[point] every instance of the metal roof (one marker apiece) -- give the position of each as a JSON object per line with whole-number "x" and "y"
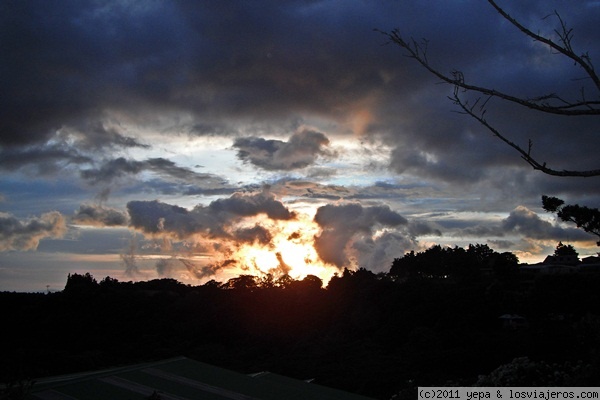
{"x": 180, "y": 379}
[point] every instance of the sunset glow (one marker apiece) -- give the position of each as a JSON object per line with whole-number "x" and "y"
{"x": 158, "y": 137}
{"x": 291, "y": 251}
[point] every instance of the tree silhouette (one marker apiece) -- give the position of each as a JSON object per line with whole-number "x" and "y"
{"x": 565, "y": 250}
{"x": 585, "y": 218}
{"x": 80, "y": 284}
{"x": 549, "y": 103}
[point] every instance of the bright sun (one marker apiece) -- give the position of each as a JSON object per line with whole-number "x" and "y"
{"x": 291, "y": 252}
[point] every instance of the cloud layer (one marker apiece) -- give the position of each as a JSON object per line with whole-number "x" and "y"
{"x": 224, "y": 121}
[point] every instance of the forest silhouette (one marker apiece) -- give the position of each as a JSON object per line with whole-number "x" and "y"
{"x": 438, "y": 317}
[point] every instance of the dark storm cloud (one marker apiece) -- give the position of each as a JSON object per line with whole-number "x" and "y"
{"x": 66, "y": 66}
{"x": 301, "y": 150}
{"x": 432, "y": 142}
{"x": 69, "y": 65}
{"x": 97, "y": 215}
{"x": 67, "y": 61}
{"x": 340, "y": 223}
{"x": 17, "y": 234}
{"x": 66, "y": 148}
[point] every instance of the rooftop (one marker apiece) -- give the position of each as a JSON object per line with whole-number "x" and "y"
{"x": 180, "y": 379}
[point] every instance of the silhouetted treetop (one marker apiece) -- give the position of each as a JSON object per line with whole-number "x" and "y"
{"x": 457, "y": 263}
{"x": 565, "y": 250}
{"x": 585, "y": 218}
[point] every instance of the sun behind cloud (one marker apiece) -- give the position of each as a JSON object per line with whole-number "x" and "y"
{"x": 290, "y": 252}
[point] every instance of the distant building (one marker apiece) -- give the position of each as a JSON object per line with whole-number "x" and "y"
{"x": 561, "y": 265}
{"x": 591, "y": 260}
{"x": 570, "y": 259}
{"x": 590, "y": 265}
{"x": 546, "y": 269}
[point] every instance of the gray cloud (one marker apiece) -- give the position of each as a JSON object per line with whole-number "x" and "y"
{"x": 41, "y": 159}
{"x": 249, "y": 205}
{"x": 97, "y": 215}
{"x": 94, "y": 135}
{"x": 521, "y": 221}
{"x": 69, "y": 66}
{"x": 377, "y": 254}
{"x": 16, "y": 234}
{"x": 205, "y": 271}
{"x": 122, "y": 167}
{"x": 113, "y": 169}
{"x": 340, "y": 223}
{"x": 527, "y": 223}
{"x": 255, "y": 234}
{"x": 164, "y": 267}
{"x": 301, "y": 150}
{"x": 155, "y": 217}
{"x": 214, "y": 220}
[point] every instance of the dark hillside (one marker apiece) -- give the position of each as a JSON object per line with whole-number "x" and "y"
{"x": 364, "y": 333}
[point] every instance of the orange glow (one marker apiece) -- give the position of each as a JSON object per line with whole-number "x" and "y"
{"x": 291, "y": 252}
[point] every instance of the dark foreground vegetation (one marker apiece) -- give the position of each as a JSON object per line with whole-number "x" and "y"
{"x": 434, "y": 319}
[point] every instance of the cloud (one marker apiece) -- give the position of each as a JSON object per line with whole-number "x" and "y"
{"x": 122, "y": 167}
{"x": 257, "y": 234}
{"x": 26, "y": 234}
{"x": 155, "y": 217}
{"x": 113, "y": 169}
{"x": 377, "y": 254}
{"x": 164, "y": 267}
{"x": 248, "y": 205}
{"x": 522, "y": 222}
{"x": 41, "y": 159}
{"x": 205, "y": 271}
{"x": 300, "y": 151}
{"x": 527, "y": 223}
{"x": 422, "y": 228}
{"x": 97, "y": 135}
{"x": 97, "y": 215}
{"x": 341, "y": 223}
{"x": 213, "y": 221}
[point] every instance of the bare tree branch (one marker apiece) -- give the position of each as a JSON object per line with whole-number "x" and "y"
{"x": 549, "y": 103}
{"x": 525, "y": 155}
{"x": 565, "y": 36}
{"x": 418, "y": 52}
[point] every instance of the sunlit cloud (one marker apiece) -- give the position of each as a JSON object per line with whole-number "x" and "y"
{"x": 18, "y": 234}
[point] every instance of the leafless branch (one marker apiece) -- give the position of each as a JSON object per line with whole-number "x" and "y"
{"x": 525, "y": 155}
{"x": 550, "y": 103}
{"x": 565, "y": 35}
{"x": 418, "y": 51}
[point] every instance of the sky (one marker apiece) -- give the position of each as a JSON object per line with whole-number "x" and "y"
{"x": 204, "y": 140}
